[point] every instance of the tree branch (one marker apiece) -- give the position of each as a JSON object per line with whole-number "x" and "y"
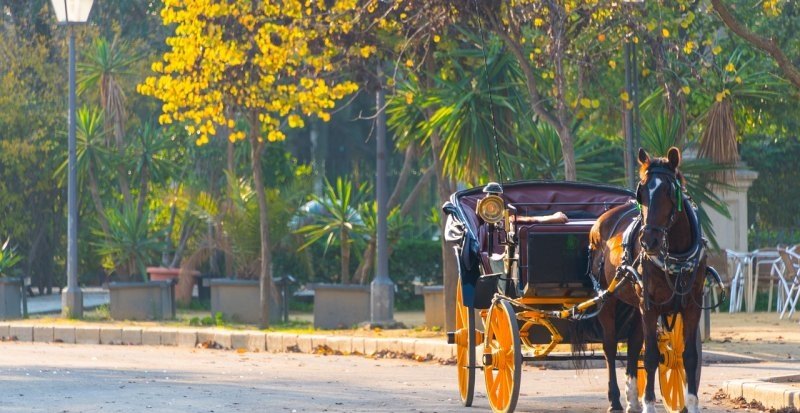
{"x": 767, "y": 45}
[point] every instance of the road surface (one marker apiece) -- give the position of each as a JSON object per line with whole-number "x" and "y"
{"x": 38, "y": 377}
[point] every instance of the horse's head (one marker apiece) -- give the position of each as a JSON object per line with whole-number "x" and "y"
{"x": 659, "y": 195}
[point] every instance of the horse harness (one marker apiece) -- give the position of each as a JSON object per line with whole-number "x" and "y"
{"x": 682, "y": 267}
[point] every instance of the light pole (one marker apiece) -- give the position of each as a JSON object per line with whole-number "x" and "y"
{"x": 70, "y": 13}
{"x": 382, "y": 287}
{"x": 631, "y": 112}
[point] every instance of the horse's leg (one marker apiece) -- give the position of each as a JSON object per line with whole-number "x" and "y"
{"x": 606, "y": 319}
{"x": 651, "y": 358}
{"x": 691, "y": 362}
{"x": 635, "y": 342}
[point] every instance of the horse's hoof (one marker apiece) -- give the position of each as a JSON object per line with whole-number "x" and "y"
{"x": 649, "y": 407}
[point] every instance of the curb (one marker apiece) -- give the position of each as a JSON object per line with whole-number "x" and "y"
{"x": 249, "y": 340}
{"x": 770, "y": 392}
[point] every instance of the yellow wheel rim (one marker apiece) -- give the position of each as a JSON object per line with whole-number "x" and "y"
{"x": 671, "y": 373}
{"x": 502, "y": 346}
{"x": 465, "y": 350}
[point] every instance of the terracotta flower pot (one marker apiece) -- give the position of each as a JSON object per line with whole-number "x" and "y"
{"x": 185, "y": 281}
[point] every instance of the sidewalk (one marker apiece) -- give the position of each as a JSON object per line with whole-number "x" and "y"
{"x": 51, "y": 304}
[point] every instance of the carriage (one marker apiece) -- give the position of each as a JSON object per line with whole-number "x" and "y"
{"x": 522, "y": 251}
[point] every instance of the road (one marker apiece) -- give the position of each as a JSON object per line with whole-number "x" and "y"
{"x": 81, "y": 378}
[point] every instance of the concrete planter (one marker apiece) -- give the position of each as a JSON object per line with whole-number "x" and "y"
{"x": 340, "y": 306}
{"x": 153, "y": 300}
{"x": 434, "y": 305}
{"x": 10, "y": 298}
{"x": 237, "y": 300}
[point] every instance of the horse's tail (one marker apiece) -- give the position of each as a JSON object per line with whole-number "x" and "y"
{"x": 581, "y": 333}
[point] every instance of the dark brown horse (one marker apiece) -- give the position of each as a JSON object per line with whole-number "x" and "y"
{"x": 666, "y": 251}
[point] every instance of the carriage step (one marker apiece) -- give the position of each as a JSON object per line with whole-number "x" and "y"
{"x": 451, "y": 337}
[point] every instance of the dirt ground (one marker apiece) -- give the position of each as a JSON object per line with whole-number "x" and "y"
{"x": 759, "y": 335}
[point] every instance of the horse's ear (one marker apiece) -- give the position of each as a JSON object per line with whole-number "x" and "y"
{"x": 643, "y": 156}
{"x": 674, "y": 157}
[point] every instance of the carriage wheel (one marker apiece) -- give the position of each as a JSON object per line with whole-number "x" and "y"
{"x": 465, "y": 349}
{"x": 671, "y": 374}
{"x": 502, "y": 358}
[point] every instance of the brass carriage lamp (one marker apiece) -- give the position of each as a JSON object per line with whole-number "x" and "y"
{"x": 491, "y": 208}
{"x": 70, "y": 13}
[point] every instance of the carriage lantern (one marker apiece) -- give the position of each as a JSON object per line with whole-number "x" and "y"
{"x": 491, "y": 208}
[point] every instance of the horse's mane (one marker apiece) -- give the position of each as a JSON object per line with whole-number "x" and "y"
{"x": 659, "y": 162}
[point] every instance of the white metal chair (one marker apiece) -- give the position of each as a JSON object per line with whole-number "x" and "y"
{"x": 790, "y": 276}
{"x": 738, "y": 268}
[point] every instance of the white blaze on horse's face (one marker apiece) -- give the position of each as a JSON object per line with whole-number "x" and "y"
{"x": 651, "y": 237}
{"x": 652, "y": 187}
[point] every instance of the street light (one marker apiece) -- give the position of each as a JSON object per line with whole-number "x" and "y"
{"x": 70, "y": 13}
{"x": 382, "y": 287}
{"x": 632, "y": 88}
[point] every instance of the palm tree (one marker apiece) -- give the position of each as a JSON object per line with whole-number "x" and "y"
{"x": 104, "y": 69}
{"x": 338, "y": 218}
{"x": 130, "y": 246}
{"x": 91, "y": 156}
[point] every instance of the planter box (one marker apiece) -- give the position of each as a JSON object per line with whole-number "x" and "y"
{"x": 237, "y": 300}
{"x": 10, "y": 298}
{"x": 434, "y": 305}
{"x": 340, "y": 306}
{"x": 152, "y": 300}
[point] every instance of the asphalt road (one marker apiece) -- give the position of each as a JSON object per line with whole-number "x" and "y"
{"x": 81, "y": 378}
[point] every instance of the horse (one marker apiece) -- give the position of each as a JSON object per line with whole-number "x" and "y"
{"x": 657, "y": 244}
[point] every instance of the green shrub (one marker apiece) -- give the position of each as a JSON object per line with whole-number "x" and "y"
{"x": 414, "y": 261}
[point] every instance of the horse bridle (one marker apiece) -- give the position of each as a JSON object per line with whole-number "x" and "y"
{"x": 677, "y": 201}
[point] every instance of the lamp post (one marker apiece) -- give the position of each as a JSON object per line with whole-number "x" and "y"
{"x": 382, "y": 287}
{"x": 631, "y": 114}
{"x": 70, "y": 13}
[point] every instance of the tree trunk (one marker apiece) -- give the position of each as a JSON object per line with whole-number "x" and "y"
{"x": 367, "y": 263}
{"x": 449, "y": 270}
{"x": 265, "y": 270}
{"x": 143, "y": 189}
{"x": 98, "y": 202}
{"x": 562, "y": 111}
{"x": 345, "y": 248}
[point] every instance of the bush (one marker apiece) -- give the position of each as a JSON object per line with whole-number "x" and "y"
{"x": 414, "y": 261}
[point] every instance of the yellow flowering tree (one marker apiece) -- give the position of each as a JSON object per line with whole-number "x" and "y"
{"x": 248, "y": 69}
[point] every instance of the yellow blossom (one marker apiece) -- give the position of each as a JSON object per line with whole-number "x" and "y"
{"x": 686, "y": 90}
{"x": 409, "y": 63}
{"x": 436, "y": 38}
{"x": 716, "y": 50}
{"x": 730, "y": 67}
{"x": 612, "y": 64}
{"x": 665, "y": 33}
{"x": 624, "y": 96}
{"x": 689, "y": 47}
